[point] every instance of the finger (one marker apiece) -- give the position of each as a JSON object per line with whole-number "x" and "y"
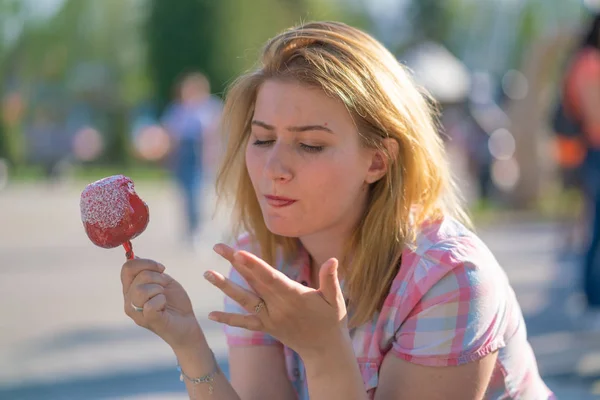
{"x": 147, "y": 276}
{"x": 224, "y": 251}
{"x": 154, "y": 308}
{"x": 328, "y": 281}
{"x": 250, "y": 322}
{"x": 263, "y": 278}
{"x": 140, "y": 294}
{"x": 243, "y": 297}
{"x": 131, "y": 268}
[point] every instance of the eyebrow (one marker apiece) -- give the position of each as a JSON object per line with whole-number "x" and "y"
{"x": 303, "y": 128}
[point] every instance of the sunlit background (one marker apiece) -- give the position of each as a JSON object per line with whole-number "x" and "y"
{"x": 83, "y": 85}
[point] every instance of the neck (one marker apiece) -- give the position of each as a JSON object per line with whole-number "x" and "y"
{"x": 324, "y": 245}
{"x": 330, "y": 242}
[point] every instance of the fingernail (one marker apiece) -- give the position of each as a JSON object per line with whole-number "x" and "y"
{"x": 217, "y": 249}
{"x": 212, "y": 317}
{"x": 209, "y": 276}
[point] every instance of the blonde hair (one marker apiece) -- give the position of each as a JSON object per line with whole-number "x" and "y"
{"x": 384, "y": 102}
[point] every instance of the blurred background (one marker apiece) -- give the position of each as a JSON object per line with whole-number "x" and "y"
{"x": 90, "y": 89}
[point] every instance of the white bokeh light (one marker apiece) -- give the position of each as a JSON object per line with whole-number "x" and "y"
{"x": 506, "y": 174}
{"x": 502, "y": 144}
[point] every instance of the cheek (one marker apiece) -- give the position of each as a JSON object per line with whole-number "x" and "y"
{"x": 334, "y": 179}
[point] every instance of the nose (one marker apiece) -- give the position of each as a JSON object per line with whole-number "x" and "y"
{"x": 278, "y": 168}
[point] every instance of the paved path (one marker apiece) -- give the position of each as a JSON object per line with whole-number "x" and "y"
{"x": 64, "y": 335}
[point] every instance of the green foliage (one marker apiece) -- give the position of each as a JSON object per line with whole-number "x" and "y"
{"x": 219, "y": 38}
{"x": 431, "y": 19}
{"x": 9, "y": 11}
{"x": 181, "y": 39}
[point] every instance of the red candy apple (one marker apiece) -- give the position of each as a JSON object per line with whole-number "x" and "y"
{"x": 112, "y": 213}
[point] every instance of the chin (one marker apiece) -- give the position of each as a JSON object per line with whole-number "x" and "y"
{"x": 284, "y": 228}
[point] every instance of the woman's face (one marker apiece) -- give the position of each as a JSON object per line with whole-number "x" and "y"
{"x": 307, "y": 165}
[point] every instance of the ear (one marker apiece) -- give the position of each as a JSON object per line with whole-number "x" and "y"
{"x": 380, "y": 161}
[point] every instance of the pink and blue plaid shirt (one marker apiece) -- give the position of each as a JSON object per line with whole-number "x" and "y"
{"x": 450, "y": 303}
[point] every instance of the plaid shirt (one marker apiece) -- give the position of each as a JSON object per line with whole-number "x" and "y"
{"x": 450, "y": 303}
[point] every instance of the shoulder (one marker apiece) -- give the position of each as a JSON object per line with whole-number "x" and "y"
{"x": 215, "y": 103}
{"x": 450, "y": 300}
{"x": 210, "y": 108}
{"x": 170, "y": 113}
{"x": 448, "y": 268}
{"x": 446, "y": 247}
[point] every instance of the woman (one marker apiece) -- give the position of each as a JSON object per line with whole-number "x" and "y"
{"x": 338, "y": 177}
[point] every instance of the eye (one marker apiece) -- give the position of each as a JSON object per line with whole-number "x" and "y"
{"x": 262, "y": 143}
{"x": 311, "y": 149}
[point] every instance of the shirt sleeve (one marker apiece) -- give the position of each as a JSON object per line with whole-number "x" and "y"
{"x": 460, "y": 318}
{"x": 239, "y": 336}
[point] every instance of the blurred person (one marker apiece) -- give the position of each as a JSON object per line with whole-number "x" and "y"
{"x": 470, "y": 136}
{"x": 481, "y": 161}
{"x": 581, "y": 152}
{"x": 190, "y": 121}
{"x": 355, "y": 275}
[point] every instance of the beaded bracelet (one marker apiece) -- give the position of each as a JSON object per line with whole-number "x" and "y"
{"x": 208, "y": 378}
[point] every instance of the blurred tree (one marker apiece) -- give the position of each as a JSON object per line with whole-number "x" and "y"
{"x": 11, "y": 19}
{"x": 219, "y": 38}
{"x": 431, "y": 19}
{"x": 181, "y": 39}
{"x": 298, "y": 7}
{"x": 401, "y": 25}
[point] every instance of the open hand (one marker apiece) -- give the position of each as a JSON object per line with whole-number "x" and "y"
{"x": 302, "y": 318}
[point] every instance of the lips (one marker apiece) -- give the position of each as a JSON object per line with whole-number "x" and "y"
{"x": 279, "y": 202}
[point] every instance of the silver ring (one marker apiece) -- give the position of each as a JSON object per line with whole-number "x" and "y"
{"x": 259, "y": 306}
{"x": 136, "y": 308}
